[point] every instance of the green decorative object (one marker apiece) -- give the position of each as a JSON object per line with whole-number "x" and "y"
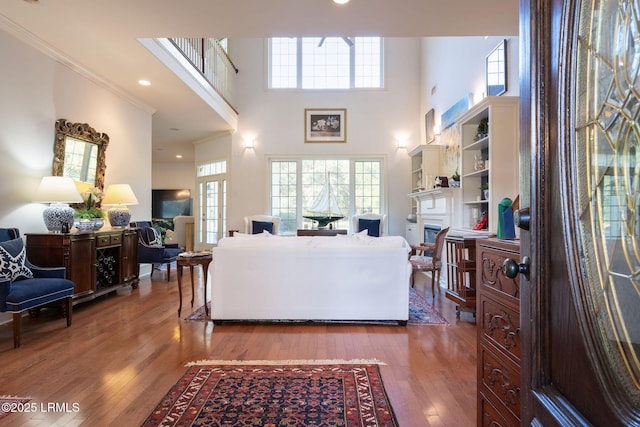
{"x": 506, "y": 229}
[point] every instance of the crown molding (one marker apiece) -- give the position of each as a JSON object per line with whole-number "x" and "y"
{"x": 42, "y": 46}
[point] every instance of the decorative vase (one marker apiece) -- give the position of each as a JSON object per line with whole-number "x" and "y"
{"x": 486, "y": 194}
{"x": 98, "y": 223}
{"x": 56, "y": 215}
{"x": 84, "y": 225}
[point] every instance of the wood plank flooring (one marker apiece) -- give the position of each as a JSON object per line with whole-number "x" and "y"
{"x": 123, "y": 353}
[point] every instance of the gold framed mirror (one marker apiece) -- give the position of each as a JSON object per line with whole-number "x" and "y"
{"x": 80, "y": 153}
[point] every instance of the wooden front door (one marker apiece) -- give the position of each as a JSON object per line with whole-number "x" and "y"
{"x": 580, "y": 166}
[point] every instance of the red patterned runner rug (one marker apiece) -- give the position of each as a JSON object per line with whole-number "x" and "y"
{"x": 275, "y": 393}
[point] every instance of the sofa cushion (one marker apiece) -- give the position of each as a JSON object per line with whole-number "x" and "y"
{"x": 258, "y": 227}
{"x": 371, "y": 225}
{"x": 13, "y": 259}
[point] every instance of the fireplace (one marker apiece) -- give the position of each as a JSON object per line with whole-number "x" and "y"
{"x": 437, "y": 209}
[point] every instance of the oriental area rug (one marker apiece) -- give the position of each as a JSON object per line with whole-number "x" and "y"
{"x": 277, "y": 393}
{"x": 421, "y": 312}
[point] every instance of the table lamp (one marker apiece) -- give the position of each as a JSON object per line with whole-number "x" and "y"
{"x": 59, "y": 191}
{"x": 119, "y": 195}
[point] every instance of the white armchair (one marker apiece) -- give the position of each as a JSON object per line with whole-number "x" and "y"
{"x": 382, "y": 218}
{"x": 249, "y": 220}
{"x": 182, "y": 232}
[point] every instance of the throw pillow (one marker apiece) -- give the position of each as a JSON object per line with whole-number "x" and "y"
{"x": 258, "y": 227}
{"x": 371, "y": 225}
{"x": 151, "y": 237}
{"x": 13, "y": 259}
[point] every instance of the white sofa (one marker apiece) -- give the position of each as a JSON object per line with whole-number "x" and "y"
{"x": 265, "y": 277}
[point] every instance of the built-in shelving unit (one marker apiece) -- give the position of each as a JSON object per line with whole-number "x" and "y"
{"x": 426, "y": 164}
{"x": 489, "y": 157}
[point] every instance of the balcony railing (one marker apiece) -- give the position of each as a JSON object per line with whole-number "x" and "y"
{"x": 210, "y": 58}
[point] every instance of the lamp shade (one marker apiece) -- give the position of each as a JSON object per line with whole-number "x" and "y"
{"x": 119, "y": 195}
{"x": 57, "y": 189}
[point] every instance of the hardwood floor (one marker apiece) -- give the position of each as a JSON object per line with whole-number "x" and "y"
{"x": 123, "y": 353}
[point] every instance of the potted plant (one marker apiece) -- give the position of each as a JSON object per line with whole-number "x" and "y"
{"x": 485, "y": 190}
{"x": 455, "y": 180}
{"x": 89, "y": 216}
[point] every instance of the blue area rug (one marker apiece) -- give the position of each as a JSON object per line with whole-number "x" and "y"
{"x": 421, "y": 312}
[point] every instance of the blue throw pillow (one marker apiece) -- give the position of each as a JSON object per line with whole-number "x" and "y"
{"x": 258, "y": 227}
{"x": 371, "y": 225}
{"x": 13, "y": 259}
{"x": 150, "y": 237}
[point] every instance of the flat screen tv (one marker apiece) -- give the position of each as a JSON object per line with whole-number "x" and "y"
{"x": 167, "y": 204}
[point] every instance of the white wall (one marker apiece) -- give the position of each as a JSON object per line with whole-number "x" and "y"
{"x": 455, "y": 66}
{"x": 36, "y": 91}
{"x": 276, "y": 119}
{"x": 452, "y": 67}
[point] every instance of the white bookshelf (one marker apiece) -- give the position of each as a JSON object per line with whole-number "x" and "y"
{"x": 426, "y": 164}
{"x": 499, "y": 150}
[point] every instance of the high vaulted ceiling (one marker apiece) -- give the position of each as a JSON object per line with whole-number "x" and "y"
{"x": 100, "y": 39}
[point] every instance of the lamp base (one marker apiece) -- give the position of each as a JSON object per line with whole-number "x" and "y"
{"x": 119, "y": 216}
{"x": 57, "y": 215}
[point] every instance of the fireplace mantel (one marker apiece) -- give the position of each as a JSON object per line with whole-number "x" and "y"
{"x": 439, "y": 206}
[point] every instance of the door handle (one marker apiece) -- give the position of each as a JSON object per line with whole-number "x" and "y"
{"x": 511, "y": 268}
{"x": 522, "y": 218}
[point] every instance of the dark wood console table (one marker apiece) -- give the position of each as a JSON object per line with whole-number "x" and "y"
{"x": 97, "y": 262}
{"x": 320, "y": 232}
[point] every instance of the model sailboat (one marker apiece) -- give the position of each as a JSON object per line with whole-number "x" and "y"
{"x": 325, "y": 208}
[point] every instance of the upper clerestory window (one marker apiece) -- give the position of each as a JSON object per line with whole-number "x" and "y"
{"x": 325, "y": 62}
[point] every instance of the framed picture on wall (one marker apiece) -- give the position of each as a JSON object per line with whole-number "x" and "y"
{"x": 325, "y": 125}
{"x": 429, "y": 126}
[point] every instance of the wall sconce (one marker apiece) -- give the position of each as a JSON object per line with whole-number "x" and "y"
{"x": 119, "y": 195}
{"x": 401, "y": 143}
{"x": 248, "y": 142}
{"x": 59, "y": 191}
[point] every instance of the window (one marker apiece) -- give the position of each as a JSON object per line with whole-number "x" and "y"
{"x": 325, "y": 62}
{"x": 212, "y": 196}
{"x": 296, "y": 184}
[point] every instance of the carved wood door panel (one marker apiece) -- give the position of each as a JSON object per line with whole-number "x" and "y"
{"x": 580, "y": 157}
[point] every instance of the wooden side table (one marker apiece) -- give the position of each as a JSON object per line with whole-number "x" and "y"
{"x": 192, "y": 261}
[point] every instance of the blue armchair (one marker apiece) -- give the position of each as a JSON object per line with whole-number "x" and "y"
{"x": 23, "y": 286}
{"x": 151, "y": 250}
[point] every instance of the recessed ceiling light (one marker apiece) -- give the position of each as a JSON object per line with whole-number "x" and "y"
{"x": 340, "y": 1}
{"x": 144, "y": 82}
{"x": 178, "y": 156}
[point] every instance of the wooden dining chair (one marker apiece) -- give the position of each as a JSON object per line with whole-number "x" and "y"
{"x": 422, "y": 262}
